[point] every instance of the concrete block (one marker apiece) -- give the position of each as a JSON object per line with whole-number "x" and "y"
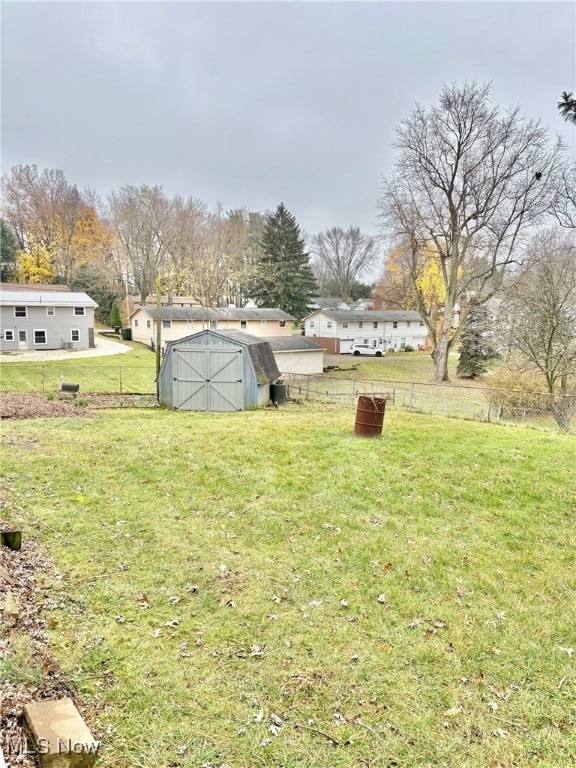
{"x": 61, "y": 737}
{"x": 10, "y": 604}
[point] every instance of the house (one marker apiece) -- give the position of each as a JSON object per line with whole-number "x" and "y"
{"x": 390, "y": 330}
{"x": 297, "y": 354}
{"x": 38, "y": 317}
{"x": 323, "y": 302}
{"x": 178, "y": 322}
{"x": 131, "y": 302}
{"x": 216, "y": 371}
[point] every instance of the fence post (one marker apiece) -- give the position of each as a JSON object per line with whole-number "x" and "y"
{"x": 307, "y": 386}
{"x": 354, "y": 387}
{"x": 120, "y": 371}
{"x": 490, "y": 407}
{"x": 43, "y": 383}
{"x": 412, "y": 396}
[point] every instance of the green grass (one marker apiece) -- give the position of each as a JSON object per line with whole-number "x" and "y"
{"x": 218, "y": 571}
{"x": 128, "y": 372}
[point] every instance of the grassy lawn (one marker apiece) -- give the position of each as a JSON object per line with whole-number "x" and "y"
{"x": 263, "y": 589}
{"x": 399, "y": 366}
{"x": 129, "y": 372}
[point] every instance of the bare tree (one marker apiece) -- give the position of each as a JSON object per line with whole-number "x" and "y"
{"x": 43, "y": 210}
{"x": 147, "y": 225}
{"x": 341, "y": 256}
{"x": 540, "y": 318}
{"x": 469, "y": 181}
{"x": 564, "y": 204}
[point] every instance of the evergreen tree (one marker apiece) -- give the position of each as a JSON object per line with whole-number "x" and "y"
{"x": 97, "y": 281}
{"x": 567, "y": 107}
{"x": 115, "y": 321}
{"x": 8, "y": 253}
{"x": 476, "y": 344}
{"x": 284, "y": 277}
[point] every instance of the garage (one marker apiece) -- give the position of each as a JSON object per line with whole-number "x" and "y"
{"x": 217, "y": 371}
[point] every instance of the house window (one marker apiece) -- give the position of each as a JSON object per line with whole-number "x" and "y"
{"x": 40, "y": 337}
{"x": 311, "y": 324}
{"x": 282, "y": 323}
{"x": 168, "y": 324}
{"x": 402, "y": 343}
{"x": 421, "y": 323}
{"x": 50, "y": 311}
{"x": 360, "y": 324}
{"x": 135, "y": 323}
{"x": 408, "y": 324}
{"x": 147, "y": 323}
{"x": 345, "y": 324}
{"x": 79, "y": 312}
{"x": 20, "y": 312}
{"x": 242, "y": 325}
{"x": 8, "y": 335}
{"x": 213, "y": 325}
{"x": 375, "y": 324}
{"x": 328, "y": 324}
{"x": 395, "y": 324}
{"x": 75, "y": 334}
{"x": 263, "y": 322}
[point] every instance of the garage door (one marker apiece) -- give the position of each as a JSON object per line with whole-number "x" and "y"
{"x": 208, "y": 379}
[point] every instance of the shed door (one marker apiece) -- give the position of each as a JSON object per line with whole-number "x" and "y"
{"x": 208, "y": 379}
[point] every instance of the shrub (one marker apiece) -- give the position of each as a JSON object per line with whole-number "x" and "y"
{"x": 126, "y": 334}
{"x": 408, "y": 348}
{"x": 510, "y": 389}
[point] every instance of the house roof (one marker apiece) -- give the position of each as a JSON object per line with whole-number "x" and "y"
{"x": 369, "y": 314}
{"x": 186, "y": 314}
{"x": 32, "y": 298}
{"x": 33, "y": 286}
{"x": 324, "y": 302}
{"x": 259, "y": 350}
{"x": 293, "y": 344}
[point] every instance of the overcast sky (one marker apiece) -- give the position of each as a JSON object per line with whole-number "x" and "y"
{"x": 251, "y": 104}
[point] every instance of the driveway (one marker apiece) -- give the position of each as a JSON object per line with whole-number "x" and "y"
{"x": 103, "y": 347}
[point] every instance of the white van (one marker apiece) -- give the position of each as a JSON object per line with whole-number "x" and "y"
{"x": 366, "y": 349}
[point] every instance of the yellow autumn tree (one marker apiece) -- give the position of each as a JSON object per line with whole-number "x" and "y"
{"x": 36, "y": 265}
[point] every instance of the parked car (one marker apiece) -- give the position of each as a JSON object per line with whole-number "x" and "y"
{"x": 366, "y": 349}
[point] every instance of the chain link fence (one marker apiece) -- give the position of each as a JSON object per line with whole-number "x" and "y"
{"x": 105, "y": 379}
{"x": 530, "y": 409}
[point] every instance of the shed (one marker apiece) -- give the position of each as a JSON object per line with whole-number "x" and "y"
{"x": 216, "y": 371}
{"x": 297, "y": 354}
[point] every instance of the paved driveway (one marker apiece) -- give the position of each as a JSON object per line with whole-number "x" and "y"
{"x": 104, "y": 346}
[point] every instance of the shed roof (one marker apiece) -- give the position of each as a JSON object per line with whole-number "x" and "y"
{"x": 366, "y": 315}
{"x": 214, "y": 313}
{"x": 259, "y": 350}
{"x": 33, "y": 298}
{"x": 294, "y": 344}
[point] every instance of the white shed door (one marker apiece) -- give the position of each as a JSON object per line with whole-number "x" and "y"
{"x": 207, "y": 379}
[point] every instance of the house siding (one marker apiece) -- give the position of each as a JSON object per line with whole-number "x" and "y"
{"x": 58, "y": 328}
{"x": 180, "y": 328}
{"x": 407, "y": 332}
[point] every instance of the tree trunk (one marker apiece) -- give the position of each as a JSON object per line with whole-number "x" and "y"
{"x": 440, "y": 357}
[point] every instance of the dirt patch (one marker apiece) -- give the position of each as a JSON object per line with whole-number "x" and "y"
{"x": 27, "y": 623}
{"x": 38, "y": 407}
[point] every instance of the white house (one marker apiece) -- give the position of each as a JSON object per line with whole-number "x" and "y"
{"x": 45, "y": 319}
{"x": 178, "y": 322}
{"x": 390, "y": 330}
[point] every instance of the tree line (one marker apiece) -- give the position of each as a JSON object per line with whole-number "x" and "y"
{"x": 53, "y": 232}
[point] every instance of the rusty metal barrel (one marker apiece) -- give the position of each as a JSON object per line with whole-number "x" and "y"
{"x": 369, "y": 416}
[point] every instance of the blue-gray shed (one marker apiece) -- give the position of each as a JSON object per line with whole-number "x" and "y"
{"x": 216, "y": 371}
